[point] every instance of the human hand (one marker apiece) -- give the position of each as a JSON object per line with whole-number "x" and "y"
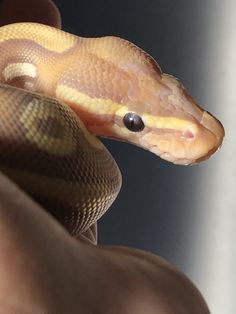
{"x": 44, "y": 270}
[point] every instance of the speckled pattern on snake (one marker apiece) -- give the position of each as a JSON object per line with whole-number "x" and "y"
{"x": 116, "y": 89}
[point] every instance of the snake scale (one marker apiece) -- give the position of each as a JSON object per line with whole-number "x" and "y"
{"x": 58, "y": 90}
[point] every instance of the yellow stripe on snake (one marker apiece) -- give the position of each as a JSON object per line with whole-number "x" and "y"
{"x": 116, "y": 89}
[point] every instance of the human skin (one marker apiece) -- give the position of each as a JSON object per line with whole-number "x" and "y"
{"x": 44, "y": 270}
{"x": 41, "y": 11}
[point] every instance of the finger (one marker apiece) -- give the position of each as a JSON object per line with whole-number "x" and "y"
{"x": 38, "y": 268}
{"x": 42, "y": 11}
{"x": 43, "y": 269}
{"x": 149, "y": 283}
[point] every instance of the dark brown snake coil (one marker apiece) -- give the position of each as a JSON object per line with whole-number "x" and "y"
{"x": 47, "y": 151}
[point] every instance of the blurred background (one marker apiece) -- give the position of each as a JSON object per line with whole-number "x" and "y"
{"x": 185, "y": 214}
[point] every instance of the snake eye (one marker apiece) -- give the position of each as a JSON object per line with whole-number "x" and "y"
{"x": 133, "y": 122}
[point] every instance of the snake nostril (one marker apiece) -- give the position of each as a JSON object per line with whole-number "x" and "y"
{"x": 188, "y": 134}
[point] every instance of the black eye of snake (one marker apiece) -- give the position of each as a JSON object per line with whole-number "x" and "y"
{"x": 133, "y": 122}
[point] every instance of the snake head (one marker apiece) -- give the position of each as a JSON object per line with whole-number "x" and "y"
{"x": 130, "y": 99}
{"x": 160, "y": 116}
{"x": 169, "y": 123}
{"x": 174, "y": 127}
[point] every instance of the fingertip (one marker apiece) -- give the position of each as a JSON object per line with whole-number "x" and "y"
{"x": 44, "y": 11}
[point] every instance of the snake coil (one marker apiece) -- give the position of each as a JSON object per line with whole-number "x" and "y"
{"x": 46, "y": 150}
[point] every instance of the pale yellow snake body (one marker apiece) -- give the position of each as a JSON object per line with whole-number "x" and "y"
{"x": 116, "y": 89}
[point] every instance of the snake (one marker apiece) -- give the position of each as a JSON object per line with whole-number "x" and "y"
{"x": 60, "y": 92}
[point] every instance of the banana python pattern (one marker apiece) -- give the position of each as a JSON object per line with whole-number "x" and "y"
{"x": 116, "y": 89}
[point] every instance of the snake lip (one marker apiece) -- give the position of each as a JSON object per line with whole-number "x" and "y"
{"x": 188, "y": 147}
